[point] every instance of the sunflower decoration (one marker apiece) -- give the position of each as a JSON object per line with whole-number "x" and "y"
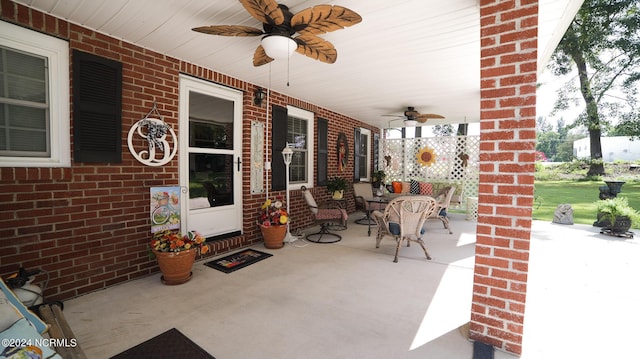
{"x": 426, "y": 156}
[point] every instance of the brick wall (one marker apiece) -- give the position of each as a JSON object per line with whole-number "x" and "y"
{"x": 507, "y": 144}
{"x": 88, "y": 225}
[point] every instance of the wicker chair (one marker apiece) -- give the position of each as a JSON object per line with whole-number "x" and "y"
{"x": 403, "y": 219}
{"x": 325, "y": 217}
{"x": 443, "y": 202}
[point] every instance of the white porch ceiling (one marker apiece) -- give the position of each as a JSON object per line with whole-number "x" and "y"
{"x": 422, "y": 53}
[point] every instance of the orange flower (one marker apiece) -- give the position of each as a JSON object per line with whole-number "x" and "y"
{"x": 171, "y": 241}
{"x": 273, "y": 212}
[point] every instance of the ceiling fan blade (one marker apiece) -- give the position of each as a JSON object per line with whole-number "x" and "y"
{"x": 316, "y": 48}
{"x": 266, "y": 11}
{"x": 260, "y": 57}
{"x": 229, "y": 30}
{"x": 323, "y": 18}
{"x": 423, "y": 117}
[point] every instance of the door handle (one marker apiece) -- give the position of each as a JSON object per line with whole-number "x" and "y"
{"x": 239, "y": 162}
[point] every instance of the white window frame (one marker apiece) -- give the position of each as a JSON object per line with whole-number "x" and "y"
{"x": 309, "y": 117}
{"x": 366, "y": 176}
{"x": 57, "y": 53}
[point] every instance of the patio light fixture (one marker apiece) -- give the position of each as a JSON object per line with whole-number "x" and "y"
{"x": 278, "y": 46}
{"x": 287, "y": 155}
{"x": 410, "y": 123}
{"x": 258, "y": 96}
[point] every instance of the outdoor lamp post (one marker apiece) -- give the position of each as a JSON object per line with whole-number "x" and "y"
{"x": 287, "y": 154}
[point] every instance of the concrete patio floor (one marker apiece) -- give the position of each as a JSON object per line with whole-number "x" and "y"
{"x": 349, "y": 300}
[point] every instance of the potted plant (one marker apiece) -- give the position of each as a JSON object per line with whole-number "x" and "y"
{"x": 616, "y": 215}
{"x": 377, "y": 178}
{"x": 176, "y": 253}
{"x": 272, "y": 220}
{"x": 336, "y": 187}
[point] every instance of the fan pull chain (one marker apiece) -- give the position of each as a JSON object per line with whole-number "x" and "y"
{"x": 288, "y": 66}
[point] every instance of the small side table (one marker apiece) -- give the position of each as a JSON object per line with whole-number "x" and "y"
{"x": 472, "y": 209}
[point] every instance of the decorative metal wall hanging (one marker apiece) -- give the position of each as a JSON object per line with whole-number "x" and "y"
{"x": 155, "y": 132}
{"x": 342, "y": 148}
{"x": 257, "y": 157}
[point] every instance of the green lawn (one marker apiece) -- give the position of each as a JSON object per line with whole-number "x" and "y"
{"x": 582, "y": 196}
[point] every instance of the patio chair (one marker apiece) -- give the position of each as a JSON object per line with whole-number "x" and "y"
{"x": 443, "y": 202}
{"x": 324, "y": 216}
{"x": 403, "y": 219}
{"x": 361, "y": 192}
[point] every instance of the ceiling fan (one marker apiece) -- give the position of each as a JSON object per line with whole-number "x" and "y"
{"x": 411, "y": 116}
{"x": 280, "y": 26}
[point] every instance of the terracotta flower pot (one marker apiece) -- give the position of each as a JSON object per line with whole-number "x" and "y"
{"x": 273, "y": 235}
{"x": 175, "y": 266}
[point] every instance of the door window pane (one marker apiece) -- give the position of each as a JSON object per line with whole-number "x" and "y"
{"x": 210, "y": 180}
{"x": 211, "y": 135}
{"x": 210, "y": 122}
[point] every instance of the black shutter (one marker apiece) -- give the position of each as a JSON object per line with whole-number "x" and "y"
{"x": 323, "y": 151}
{"x": 356, "y": 156}
{"x": 376, "y": 151}
{"x": 278, "y": 141}
{"x": 97, "y": 109}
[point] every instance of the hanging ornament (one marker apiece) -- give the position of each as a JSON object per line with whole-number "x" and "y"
{"x": 387, "y": 159}
{"x": 154, "y": 131}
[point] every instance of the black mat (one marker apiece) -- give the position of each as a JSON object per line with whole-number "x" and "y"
{"x": 238, "y": 260}
{"x": 168, "y": 345}
{"x": 482, "y": 350}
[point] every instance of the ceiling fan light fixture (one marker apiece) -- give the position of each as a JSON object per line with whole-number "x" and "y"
{"x": 278, "y": 47}
{"x": 410, "y": 123}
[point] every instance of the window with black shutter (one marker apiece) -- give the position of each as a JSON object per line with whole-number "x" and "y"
{"x": 323, "y": 151}
{"x": 278, "y": 141}
{"x": 356, "y": 156}
{"x": 97, "y": 109}
{"x": 376, "y": 151}
{"x": 362, "y": 155}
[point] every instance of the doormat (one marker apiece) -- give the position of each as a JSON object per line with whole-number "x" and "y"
{"x": 168, "y": 345}
{"x": 482, "y": 350}
{"x": 238, "y": 260}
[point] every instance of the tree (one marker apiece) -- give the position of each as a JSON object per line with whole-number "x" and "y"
{"x": 602, "y": 44}
{"x": 547, "y": 143}
{"x": 554, "y": 143}
{"x": 629, "y": 125}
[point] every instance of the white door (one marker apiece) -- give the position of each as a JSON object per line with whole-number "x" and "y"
{"x": 210, "y": 154}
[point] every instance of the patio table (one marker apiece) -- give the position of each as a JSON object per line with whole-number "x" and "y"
{"x": 374, "y": 204}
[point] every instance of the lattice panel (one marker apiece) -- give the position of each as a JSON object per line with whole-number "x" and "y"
{"x": 456, "y": 161}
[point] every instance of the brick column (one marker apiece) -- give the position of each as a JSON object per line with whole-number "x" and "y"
{"x": 507, "y": 144}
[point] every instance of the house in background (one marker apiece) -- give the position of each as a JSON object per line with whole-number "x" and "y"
{"x": 75, "y": 198}
{"x": 620, "y": 148}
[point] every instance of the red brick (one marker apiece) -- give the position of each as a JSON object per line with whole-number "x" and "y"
{"x": 492, "y": 262}
{"x": 513, "y": 233}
